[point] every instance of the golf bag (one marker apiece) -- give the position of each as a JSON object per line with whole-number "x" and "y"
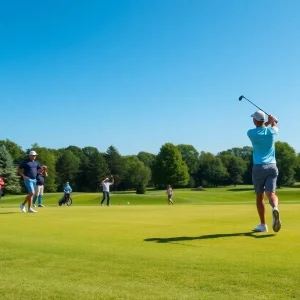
{"x": 66, "y": 199}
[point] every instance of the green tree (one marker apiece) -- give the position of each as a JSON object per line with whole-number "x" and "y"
{"x": 297, "y": 168}
{"x": 136, "y": 175}
{"x": 169, "y": 167}
{"x": 236, "y": 168}
{"x": 211, "y": 171}
{"x": 14, "y": 150}
{"x": 115, "y": 164}
{"x": 8, "y": 172}
{"x": 286, "y": 159}
{"x": 191, "y": 157}
{"x": 94, "y": 168}
{"x": 67, "y": 168}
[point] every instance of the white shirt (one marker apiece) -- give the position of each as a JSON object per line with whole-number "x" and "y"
{"x": 169, "y": 191}
{"x": 105, "y": 186}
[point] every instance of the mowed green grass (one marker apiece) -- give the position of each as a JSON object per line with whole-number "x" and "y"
{"x": 200, "y": 248}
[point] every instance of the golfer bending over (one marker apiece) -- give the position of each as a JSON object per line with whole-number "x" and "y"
{"x": 105, "y": 184}
{"x": 264, "y": 172}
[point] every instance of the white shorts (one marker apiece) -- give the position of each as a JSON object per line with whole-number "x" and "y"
{"x": 39, "y": 190}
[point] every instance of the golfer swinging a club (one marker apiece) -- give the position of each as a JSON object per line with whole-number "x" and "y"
{"x": 264, "y": 172}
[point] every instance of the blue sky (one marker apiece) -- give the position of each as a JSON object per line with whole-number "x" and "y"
{"x": 138, "y": 74}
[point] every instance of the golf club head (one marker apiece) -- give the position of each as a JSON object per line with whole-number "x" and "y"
{"x": 241, "y": 97}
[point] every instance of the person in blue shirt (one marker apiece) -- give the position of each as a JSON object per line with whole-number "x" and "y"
{"x": 40, "y": 183}
{"x": 67, "y": 191}
{"x": 28, "y": 170}
{"x": 264, "y": 171}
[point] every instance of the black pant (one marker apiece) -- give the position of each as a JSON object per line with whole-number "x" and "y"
{"x": 67, "y": 196}
{"x": 105, "y": 195}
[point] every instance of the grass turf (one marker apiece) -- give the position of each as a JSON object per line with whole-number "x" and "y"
{"x": 200, "y": 248}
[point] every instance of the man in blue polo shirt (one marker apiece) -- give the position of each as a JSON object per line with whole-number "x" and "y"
{"x": 28, "y": 170}
{"x": 264, "y": 172}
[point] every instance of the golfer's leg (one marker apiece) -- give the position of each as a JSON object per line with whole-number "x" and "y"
{"x": 108, "y": 198}
{"x": 273, "y": 199}
{"x": 35, "y": 195}
{"x": 260, "y": 204}
{"x": 103, "y": 198}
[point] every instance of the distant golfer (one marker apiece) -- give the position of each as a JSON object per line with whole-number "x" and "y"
{"x": 105, "y": 185}
{"x": 28, "y": 170}
{"x": 39, "y": 188}
{"x": 264, "y": 172}
{"x": 1, "y": 185}
{"x": 170, "y": 195}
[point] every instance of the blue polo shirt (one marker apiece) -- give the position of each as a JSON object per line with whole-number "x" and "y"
{"x": 30, "y": 168}
{"x": 67, "y": 188}
{"x": 263, "y": 143}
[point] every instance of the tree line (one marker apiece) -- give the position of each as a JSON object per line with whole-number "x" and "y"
{"x": 179, "y": 165}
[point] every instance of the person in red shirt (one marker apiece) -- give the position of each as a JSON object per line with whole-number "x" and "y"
{"x": 1, "y": 184}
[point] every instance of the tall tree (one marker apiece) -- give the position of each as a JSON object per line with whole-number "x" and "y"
{"x": 137, "y": 175}
{"x": 169, "y": 167}
{"x": 211, "y": 171}
{"x": 115, "y": 164}
{"x": 191, "y": 157}
{"x": 14, "y": 150}
{"x": 8, "y": 172}
{"x": 286, "y": 159}
{"x": 236, "y": 168}
{"x": 94, "y": 168}
{"x": 67, "y": 168}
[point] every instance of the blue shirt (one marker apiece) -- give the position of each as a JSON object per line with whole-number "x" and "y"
{"x": 30, "y": 168}
{"x": 67, "y": 188}
{"x": 263, "y": 143}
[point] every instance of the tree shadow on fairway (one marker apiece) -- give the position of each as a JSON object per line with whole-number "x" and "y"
{"x": 253, "y": 234}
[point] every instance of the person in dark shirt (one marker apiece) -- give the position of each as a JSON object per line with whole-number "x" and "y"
{"x": 28, "y": 170}
{"x": 39, "y": 189}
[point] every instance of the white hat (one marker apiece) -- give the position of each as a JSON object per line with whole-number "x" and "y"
{"x": 259, "y": 115}
{"x": 32, "y": 153}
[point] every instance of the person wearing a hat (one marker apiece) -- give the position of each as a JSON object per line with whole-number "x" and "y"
{"x": 264, "y": 171}
{"x": 105, "y": 185}
{"x": 28, "y": 170}
{"x": 67, "y": 191}
{"x": 39, "y": 189}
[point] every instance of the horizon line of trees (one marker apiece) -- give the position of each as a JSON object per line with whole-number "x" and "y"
{"x": 179, "y": 165}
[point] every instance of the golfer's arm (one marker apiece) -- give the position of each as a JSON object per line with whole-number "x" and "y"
{"x": 20, "y": 172}
{"x": 46, "y": 174}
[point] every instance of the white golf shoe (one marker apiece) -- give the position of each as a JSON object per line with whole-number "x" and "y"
{"x": 23, "y": 209}
{"x": 261, "y": 228}
{"x": 31, "y": 210}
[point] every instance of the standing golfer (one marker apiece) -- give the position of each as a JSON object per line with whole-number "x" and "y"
{"x": 28, "y": 170}
{"x": 1, "y": 185}
{"x": 264, "y": 172}
{"x": 105, "y": 184}
{"x": 170, "y": 194}
{"x": 39, "y": 188}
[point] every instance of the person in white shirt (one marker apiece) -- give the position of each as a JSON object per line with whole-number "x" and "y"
{"x": 105, "y": 185}
{"x": 170, "y": 194}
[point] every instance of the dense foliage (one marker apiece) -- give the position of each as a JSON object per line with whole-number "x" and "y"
{"x": 180, "y": 166}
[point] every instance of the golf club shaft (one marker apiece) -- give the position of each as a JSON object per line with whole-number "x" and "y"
{"x": 256, "y": 105}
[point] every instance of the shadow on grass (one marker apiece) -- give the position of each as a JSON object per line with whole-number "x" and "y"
{"x": 240, "y": 189}
{"x": 256, "y": 235}
{"x": 8, "y": 213}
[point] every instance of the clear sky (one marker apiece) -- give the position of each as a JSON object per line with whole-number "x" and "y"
{"x": 137, "y": 74}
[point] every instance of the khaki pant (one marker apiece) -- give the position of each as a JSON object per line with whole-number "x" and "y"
{"x": 39, "y": 190}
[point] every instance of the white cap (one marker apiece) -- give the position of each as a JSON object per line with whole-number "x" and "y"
{"x": 259, "y": 115}
{"x": 32, "y": 153}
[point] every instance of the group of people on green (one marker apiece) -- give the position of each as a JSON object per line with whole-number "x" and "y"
{"x": 264, "y": 174}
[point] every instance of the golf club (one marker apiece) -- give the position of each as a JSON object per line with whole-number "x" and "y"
{"x": 241, "y": 98}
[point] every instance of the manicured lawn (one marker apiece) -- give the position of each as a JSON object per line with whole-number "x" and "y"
{"x": 200, "y": 248}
